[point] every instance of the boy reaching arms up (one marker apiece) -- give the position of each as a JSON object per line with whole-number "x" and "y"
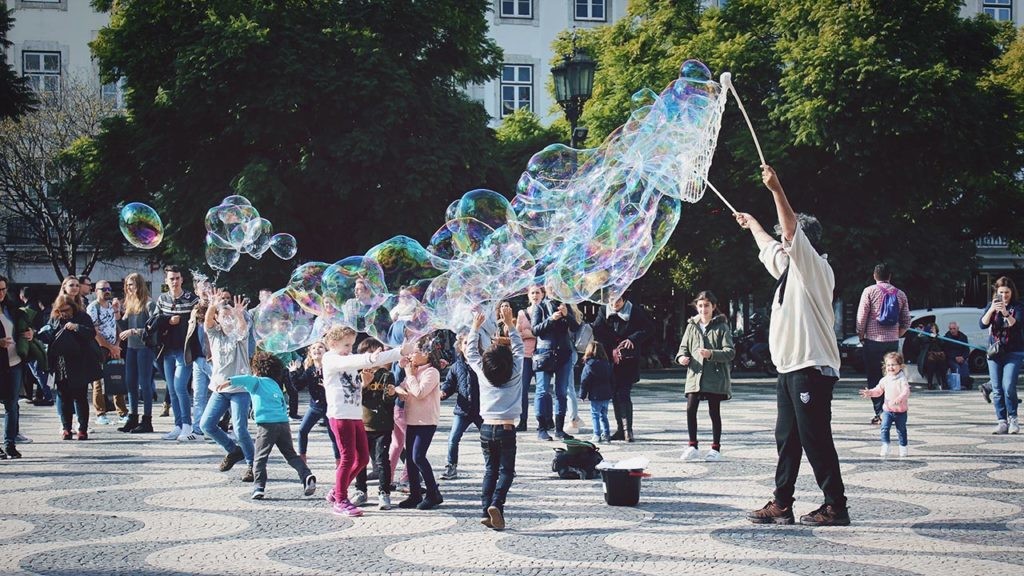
{"x": 271, "y": 409}
{"x": 499, "y": 370}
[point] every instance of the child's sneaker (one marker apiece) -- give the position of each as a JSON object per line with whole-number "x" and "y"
{"x": 330, "y": 497}
{"x": 345, "y": 508}
{"x": 309, "y": 485}
{"x": 358, "y": 498}
{"x": 884, "y": 452}
{"x": 451, "y": 472}
{"x": 713, "y": 456}
{"x": 903, "y": 452}
{"x": 384, "y": 501}
{"x": 691, "y": 454}
{"x": 257, "y": 493}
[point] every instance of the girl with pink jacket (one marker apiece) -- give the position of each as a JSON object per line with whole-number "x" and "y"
{"x": 896, "y": 389}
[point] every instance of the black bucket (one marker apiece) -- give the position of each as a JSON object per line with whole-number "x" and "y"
{"x": 622, "y": 486}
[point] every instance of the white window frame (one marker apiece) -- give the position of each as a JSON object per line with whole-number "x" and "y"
{"x": 589, "y": 5}
{"x": 113, "y": 93}
{"x": 37, "y": 78}
{"x": 516, "y": 84}
{"x": 516, "y": 4}
{"x": 999, "y": 10}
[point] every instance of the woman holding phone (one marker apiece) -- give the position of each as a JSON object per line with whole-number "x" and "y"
{"x": 1006, "y": 352}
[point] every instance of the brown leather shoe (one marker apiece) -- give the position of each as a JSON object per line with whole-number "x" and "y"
{"x": 772, "y": 513}
{"x": 827, "y": 515}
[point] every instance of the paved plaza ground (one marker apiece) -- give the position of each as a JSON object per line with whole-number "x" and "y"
{"x": 130, "y": 504}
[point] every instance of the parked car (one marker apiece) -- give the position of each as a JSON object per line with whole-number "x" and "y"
{"x": 852, "y": 352}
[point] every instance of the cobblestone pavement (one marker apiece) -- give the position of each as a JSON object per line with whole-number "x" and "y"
{"x": 122, "y": 504}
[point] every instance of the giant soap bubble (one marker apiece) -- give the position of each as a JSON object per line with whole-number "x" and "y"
{"x": 583, "y": 223}
{"x": 141, "y": 226}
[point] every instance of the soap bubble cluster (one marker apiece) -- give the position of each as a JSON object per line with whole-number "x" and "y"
{"x": 235, "y": 227}
{"x": 585, "y": 224}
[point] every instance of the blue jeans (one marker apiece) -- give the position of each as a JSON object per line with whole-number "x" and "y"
{"x": 176, "y": 374}
{"x": 417, "y": 443}
{"x": 200, "y": 391}
{"x": 542, "y": 404}
{"x": 898, "y": 418}
{"x": 313, "y": 415}
{"x": 138, "y": 378}
{"x": 1004, "y": 370}
{"x": 239, "y": 403}
{"x": 599, "y": 416}
{"x": 460, "y": 423}
{"x": 12, "y": 414}
{"x": 498, "y": 443}
{"x": 41, "y": 377}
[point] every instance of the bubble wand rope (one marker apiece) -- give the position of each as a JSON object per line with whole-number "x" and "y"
{"x": 726, "y": 80}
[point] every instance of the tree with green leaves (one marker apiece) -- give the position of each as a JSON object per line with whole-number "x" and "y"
{"x": 880, "y": 118}
{"x": 16, "y": 97}
{"x": 342, "y": 121}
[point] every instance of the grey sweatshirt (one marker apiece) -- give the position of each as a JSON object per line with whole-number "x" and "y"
{"x": 502, "y": 402}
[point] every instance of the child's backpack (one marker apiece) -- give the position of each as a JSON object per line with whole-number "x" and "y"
{"x": 577, "y": 461}
{"x": 889, "y": 313}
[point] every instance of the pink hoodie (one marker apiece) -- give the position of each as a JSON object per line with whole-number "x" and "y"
{"x": 896, "y": 390}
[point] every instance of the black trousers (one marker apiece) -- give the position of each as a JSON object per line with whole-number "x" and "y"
{"x": 74, "y": 398}
{"x": 380, "y": 448}
{"x": 804, "y": 426}
{"x": 874, "y": 351}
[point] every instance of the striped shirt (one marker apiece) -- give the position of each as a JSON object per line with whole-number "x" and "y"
{"x": 871, "y": 300}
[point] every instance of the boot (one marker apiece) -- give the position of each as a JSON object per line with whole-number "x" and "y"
{"x": 166, "y": 412}
{"x": 133, "y": 421}
{"x": 145, "y": 426}
{"x": 620, "y": 433}
{"x": 560, "y": 427}
{"x": 431, "y": 500}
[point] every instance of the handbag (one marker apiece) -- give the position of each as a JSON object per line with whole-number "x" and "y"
{"x": 546, "y": 360}
{"x": 113, "y": 377}
{"x": 994, "y": 348}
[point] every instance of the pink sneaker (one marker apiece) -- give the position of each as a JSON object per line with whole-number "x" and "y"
{"x": 331, "y": 497}
{"x": 345, "y": 508}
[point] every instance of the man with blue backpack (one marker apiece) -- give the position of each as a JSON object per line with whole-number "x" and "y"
{"x": 882, "y": 318}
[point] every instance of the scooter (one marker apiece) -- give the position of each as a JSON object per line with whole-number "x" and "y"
{"x": 752, "y": 355}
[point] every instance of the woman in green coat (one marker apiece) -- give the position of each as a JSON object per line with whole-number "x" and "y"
{"x": 706, "y": 351}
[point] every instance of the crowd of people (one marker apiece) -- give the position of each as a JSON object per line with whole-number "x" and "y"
{"x": 379, "y": 400}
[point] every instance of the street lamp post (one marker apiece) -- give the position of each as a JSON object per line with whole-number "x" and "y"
{"x": 574, "y": 84}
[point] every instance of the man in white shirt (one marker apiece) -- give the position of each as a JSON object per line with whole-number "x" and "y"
{"x": 804, "y": 348}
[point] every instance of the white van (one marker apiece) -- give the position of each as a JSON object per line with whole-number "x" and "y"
{"x": 968, "y": 320}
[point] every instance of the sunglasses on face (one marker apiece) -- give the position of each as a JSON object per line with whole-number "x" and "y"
{"x": 106, "y": 289}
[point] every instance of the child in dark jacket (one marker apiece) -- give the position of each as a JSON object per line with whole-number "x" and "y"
{"x": 462, "y": 383}
{"x": 379, "y": 421}
{"x": 596, "y": 383}
{"x": 309, "y": 376}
